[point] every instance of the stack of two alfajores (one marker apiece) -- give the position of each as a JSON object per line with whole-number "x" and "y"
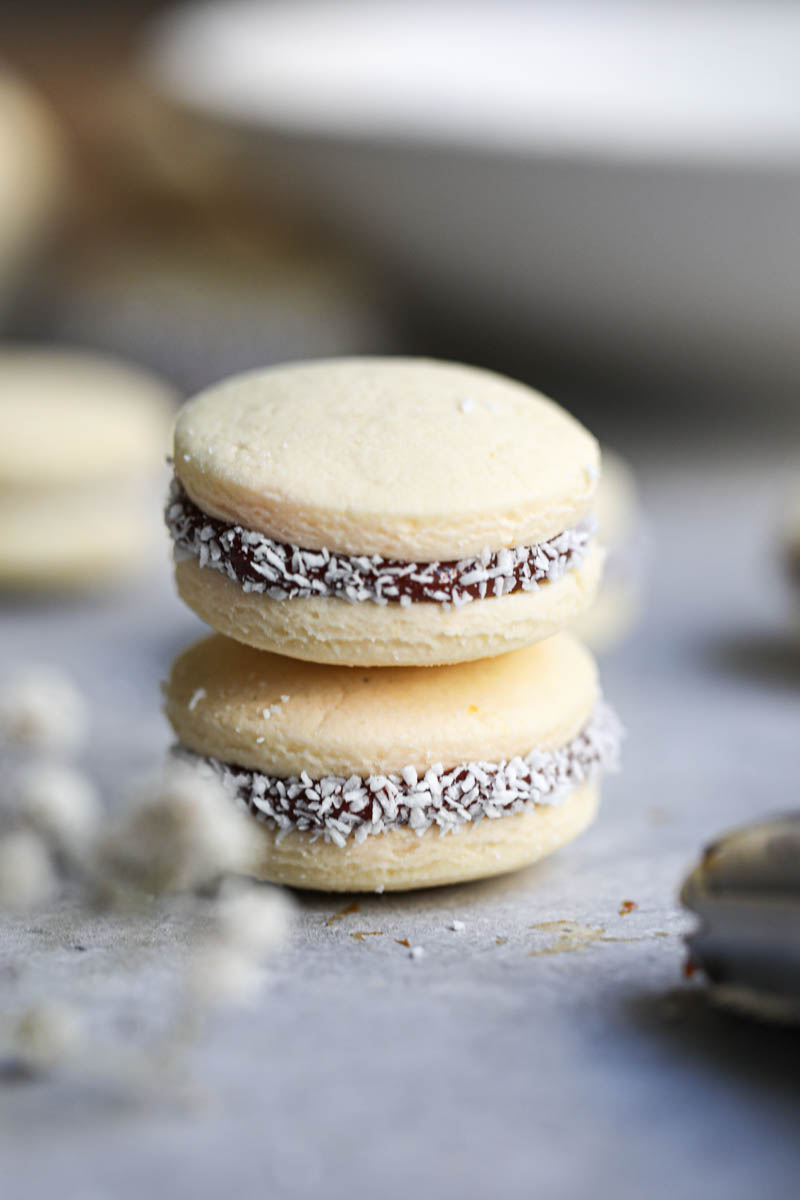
{"x": 389, "y": 549}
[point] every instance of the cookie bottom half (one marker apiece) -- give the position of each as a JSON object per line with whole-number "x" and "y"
{"x": 331, "y": 630}
{"x": 400, "y": 860}
{"x": 53, "y": 539}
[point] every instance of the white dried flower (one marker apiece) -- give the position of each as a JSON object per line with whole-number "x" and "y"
{"x": 252, "y": 918}
{"x": 47, "y": 1036}
{"x": 58, "y": 802}
{"x": 183, "y": 837}
{"x": 40, "y": 707}
{"x": 27, "y": 877}
{"x": 220, "y": 975}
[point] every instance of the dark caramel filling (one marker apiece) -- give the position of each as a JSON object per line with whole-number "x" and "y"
{"x": 282, "y": 571}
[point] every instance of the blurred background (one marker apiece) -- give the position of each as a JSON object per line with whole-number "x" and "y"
{"x": 599, "y": 197}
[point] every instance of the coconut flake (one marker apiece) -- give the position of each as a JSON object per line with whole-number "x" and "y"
{"x": 284, "y": 572}
{"x": 336, "y": 809}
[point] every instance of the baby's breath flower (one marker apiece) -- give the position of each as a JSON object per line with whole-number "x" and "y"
{"x": 41, "y": 708}
{"x": 59, "y": 802}
{"x": 220, "y": 975}
{"x": 182, "y": 837}
{"x": 27, "y": 877}
{"x": 252, "y": 918}
{"x": 47, "y": 1036}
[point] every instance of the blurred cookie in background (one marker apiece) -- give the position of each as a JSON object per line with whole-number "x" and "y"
{"x": 32, "y": 179}
{"x": 618, "y": 604}
{"x": 83, "y": 443}
{"x": 176, "y": 259}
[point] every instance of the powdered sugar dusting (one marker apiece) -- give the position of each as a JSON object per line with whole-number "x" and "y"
{"x": 338, "y": 809}
{"x": 285, "y": 572}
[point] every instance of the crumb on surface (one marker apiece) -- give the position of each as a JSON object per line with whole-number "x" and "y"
{"x": 416, "y": 952}
{"x": 342, "y": 913}
{"x": 457, "y": 926}
{"x": 627, "y": 906}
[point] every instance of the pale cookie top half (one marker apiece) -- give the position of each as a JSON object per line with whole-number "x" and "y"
{"x": 408, "y": 458}
{"x": 280, "y": 716}
{"x": 71, "y": 418}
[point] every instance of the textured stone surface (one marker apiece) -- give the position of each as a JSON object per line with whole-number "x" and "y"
{"x": 551, "y": 1047}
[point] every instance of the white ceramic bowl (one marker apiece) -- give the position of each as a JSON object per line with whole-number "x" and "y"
{"x": 613, "y": 180}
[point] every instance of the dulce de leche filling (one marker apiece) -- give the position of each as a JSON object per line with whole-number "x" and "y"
{"x": 337, "y": 809}
{"x": 284, "y": 572}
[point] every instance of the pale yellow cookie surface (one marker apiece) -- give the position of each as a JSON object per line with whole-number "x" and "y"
{"x": 400, "y": 860}
{"x": 68, "y": 417}
{"x": 331, "y": 630}
{"x": 83, "y": 444}
{"x": 616, "y": 505}
{"x": 56, "y": 539}
{"x": 276, "y": 715}
{"x": 618, "y": 604}
{"x": 411, "y": 459}
{"x": 613, "y": 615}
{"x": 32, "y": 175}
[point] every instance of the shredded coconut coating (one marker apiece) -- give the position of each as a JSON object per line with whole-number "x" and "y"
{"x": 338, "y": 810}
{"x": 286, "y": 572}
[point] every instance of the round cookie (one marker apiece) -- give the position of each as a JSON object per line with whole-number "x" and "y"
{"x": 82, "y": 440}
{"x": 383, "y": 511}
{"x": 31, "y": 176}
{"x": 400, "y": 777}
{"x": 616, "y": 607}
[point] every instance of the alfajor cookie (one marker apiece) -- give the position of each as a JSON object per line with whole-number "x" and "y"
{"x": 401, "y": 777}
{"x": 32, "y": 177}
{"x": 82, "y": 442}
{"x": 383, "y": 511}
{"x": 617, "y": 605}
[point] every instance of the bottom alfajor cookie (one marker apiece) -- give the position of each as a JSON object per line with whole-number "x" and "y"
{"x": 398, "y": 777}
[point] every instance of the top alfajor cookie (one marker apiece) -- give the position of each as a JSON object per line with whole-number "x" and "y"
{"x": 376, "y": 510}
